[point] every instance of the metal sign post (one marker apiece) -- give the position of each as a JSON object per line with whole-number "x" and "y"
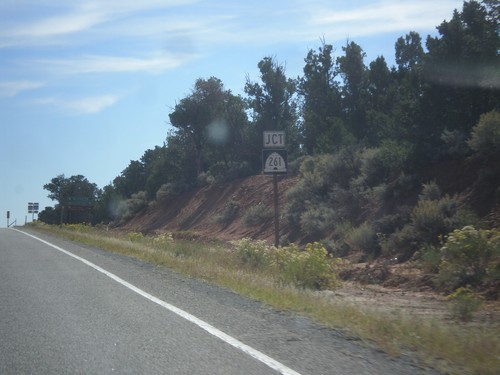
{"x": 274, "y": 161}
{"x": 276, "y": 211}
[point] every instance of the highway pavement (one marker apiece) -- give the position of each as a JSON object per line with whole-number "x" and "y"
{"x": 66, "y": 308}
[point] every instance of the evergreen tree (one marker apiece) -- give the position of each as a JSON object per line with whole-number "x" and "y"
{"x": 323, "y": 127}
{"x": 273, "y": 105}
{"x": 214, "y": 121}
{"x": 409, "y": 88}
{"x": 461, "y": 72}
{"x": 353, "y": 71}
{"x": 380, "y": 102}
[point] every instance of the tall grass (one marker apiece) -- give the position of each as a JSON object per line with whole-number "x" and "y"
{"x": 447, "y": 346}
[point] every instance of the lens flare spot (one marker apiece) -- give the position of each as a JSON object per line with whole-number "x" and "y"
{"x": 218, "y": 132}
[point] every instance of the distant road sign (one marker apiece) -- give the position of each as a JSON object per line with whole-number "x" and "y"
{"x": 274, "y": 161}
{"x": 33, "y": 207}
{"x": 274, "y": 139}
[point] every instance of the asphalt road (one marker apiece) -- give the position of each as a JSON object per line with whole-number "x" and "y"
{"x": 70, "y": 309}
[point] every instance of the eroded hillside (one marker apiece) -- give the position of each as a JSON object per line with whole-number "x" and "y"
{"x": 198, "y": 211}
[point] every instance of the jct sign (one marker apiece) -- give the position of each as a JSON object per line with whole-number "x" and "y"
{"x": 274, "y": 156}
{"x": 274, "y": 139}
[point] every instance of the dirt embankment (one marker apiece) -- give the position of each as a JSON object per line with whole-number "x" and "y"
{"x": 197, "y": 211}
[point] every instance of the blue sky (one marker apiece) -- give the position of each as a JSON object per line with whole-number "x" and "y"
{"x": 87, "y": 86}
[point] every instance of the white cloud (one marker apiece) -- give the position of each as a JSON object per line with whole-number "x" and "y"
{"x": 63, "y": 25}
{"x": 13, "y": 88}
{"x": 81, "y": 17}
{"x": 113, "y": 64}
{"x": 83, "y": 106}
{"x": 383, "y": 17}
{"x": 92, "y": 105}
{"x": 219, "y": 22}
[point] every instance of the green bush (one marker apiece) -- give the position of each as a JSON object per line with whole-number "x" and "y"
{"x": 430, "y": 192}
{"x": 295, "y": 206}
{"x": 163, "y": 241}
{"x": 363, "y": 238}
{"x": 464, "y": 304}
{"x": 349, "y": 203}
{"x": 252, "y": 253}
{"x": 311, "y": 268}
{"x": 230, "y": 212}
{"x": 137, "y": 202}
{"x": 342, "y": 167}
{"x": 403, "y": 243}
{"x": 163, "y": 193}
{"x": 293, "y": 167}
{"x": 485, "y": 136}
{"x": 429, "y": 218}
{"x": 392, "y": 222}
{"x": 430, "y": 258}
{"x": 324, "y": 182}
{"x": 256, "y": 215}
{"x": 429, "y": 221}
{"x": 454, "y": 142}
{"x": 316, "y": 220}
{"x": 386, "y": 162}
{"x": 469, "y": 257}
{"x": 205, "y": 179}
{"x": 432, "y": 218}
{"x": 404, "y": 186}
{"x": 135, "y": 236}
{"x": 228, "y": 171}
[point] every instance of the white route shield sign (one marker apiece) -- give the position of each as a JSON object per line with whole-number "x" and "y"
{"x": 274, "y": 161}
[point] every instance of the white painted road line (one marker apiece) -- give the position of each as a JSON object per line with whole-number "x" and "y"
{"x": 270, "y": 362}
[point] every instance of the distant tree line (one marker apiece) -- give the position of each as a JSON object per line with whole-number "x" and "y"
{"x": 419, "y": 112}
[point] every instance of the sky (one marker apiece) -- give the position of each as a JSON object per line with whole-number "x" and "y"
{"x": 87, "y": 86}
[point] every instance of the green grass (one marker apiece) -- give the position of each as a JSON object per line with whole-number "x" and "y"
{"x": 445, "y": 345}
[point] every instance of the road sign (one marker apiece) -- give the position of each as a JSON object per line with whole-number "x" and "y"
{"x": 274, "y": 161}
{"x": 33, "y": 207}
{"x": 274, "y": 139}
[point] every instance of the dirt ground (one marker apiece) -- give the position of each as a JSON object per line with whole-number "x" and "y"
{"x": 196, "y": 211}
{"x": 406, "y": 289}
{"x": 413, "y": 303}
{"x": 381, "y": 284}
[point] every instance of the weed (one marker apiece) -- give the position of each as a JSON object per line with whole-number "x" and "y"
{"x": 469, "y": 256}
{"x": 463, "y": 304}
{"x": 430, "y": 258}
{"x": 430, "y": 191}
{"x": 311, "y": 268}
{"x": 363, "y": 238}
{"x": 135, "y": 236}
{"x": 229, "y": 214}
{"x": 316, "y": 219}
{"x": 256, "y": 215}
{"x": 485, "y": 136}
{"x": 251, "y": 253}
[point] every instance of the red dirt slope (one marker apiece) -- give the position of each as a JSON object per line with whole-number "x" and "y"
{"x": 196, "y": 211}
